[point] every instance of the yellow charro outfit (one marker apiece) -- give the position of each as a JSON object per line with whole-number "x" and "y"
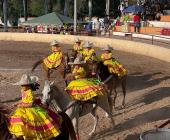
{"x": 78, "y": 48}
{"x": 113, "y": 65}
{"x": 33, "y": 123}
{"x": 82, "y": 88}
{"x": 89, "y": 54}
{"x": 54, "y": 59}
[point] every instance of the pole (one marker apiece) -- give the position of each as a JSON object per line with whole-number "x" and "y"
{"x": 90, "y": 9}
{"x": 107, "y": 7}
{"x": 25, "y": 9}
{"x": 5, "y": 12}
{"x": 75, "y": 16}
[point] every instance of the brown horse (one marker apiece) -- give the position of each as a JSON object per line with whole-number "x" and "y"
{"x": 4, "y": 132}
{"x": 111, "y": 81}
{"x": 62, "y": 68}
{"x": 67, "y": 129}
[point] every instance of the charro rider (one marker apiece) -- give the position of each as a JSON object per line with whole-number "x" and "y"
{"x": 82, "y": 88}
{"x": 88, "y": 52}
{"x": 78, "y": 46}
{"x": 30, "y": 121}
{"x": 55, "y": 58}
{"x": 113, "y": 65}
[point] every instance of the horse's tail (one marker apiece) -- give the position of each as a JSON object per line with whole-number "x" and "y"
{"x": 69, "y": 125}
{"x": 36, "y": 64}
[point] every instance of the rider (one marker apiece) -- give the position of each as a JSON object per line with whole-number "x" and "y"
{"x": 113, "y": 65}
{"x": 30, "y": 121}
{"x": 82, "y": 88}
{"x": 55, "y": 58}
{"x": 78, "y": 46}
{"x": 88, "y": 52}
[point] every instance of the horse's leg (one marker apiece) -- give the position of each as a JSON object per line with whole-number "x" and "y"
{"x": 115, "y": 96}
{"x": 75, "y": 124}
{"x": 95, "y": 117}
{"x": 124, "y": 90}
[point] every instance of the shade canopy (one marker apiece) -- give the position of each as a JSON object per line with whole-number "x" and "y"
{"x": 50, "y": 19}
{"x": 134, "y": 9}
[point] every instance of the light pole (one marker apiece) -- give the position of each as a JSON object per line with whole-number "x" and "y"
{"x": 90, "y": 8}
{"x": 107, "y": 7}
{"x": 5, "y": 12}
{"x": 75, "y": 16}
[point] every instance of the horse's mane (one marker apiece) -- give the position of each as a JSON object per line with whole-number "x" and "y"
{"x": 103, "y": 71}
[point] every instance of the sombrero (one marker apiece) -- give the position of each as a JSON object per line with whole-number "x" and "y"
{"x": 77, "y": 40}
{"x": 107, "y": 48}
{"x": 27, "y": 80}
{"x": 88, "y": 45}
{"x": 77, "y": 62}
{"x": 54, "y": 43}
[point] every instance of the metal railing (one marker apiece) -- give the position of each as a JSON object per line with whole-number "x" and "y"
{"x": 149, "y": 38}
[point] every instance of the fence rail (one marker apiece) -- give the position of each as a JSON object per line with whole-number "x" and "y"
{"x": 144, "y": 38}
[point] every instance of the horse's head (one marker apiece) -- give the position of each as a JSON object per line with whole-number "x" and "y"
{"x": 55, "y": 96}
{"x": 47, "y": 90}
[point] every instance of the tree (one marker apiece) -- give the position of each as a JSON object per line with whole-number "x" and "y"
{"x": 5, "y": 12}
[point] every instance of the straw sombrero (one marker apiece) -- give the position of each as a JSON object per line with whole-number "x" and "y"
{"x": 77, "y": 40}
{"x": 88, "y": 45}
{"x": 54, "y": 43}
{"x": 27, "y": 80}
{"x": 77, "y": 62}
{"x": 107, "y": 48}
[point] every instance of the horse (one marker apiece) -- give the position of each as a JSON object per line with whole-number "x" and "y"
{"x": 55, "y": 97}
{"x": 62, "y": 68}
{"x": 4, "y": 132}
{"x": 111, "y": 81}
{"x": 67, "y": 130}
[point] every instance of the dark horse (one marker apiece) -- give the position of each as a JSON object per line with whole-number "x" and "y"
{"x": 111, "y": 81}
{"x": 62, "y": 68}
{"x": 67, "y": 129}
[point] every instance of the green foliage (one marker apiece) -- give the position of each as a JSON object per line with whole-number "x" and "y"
{"x": 36, "y": 7}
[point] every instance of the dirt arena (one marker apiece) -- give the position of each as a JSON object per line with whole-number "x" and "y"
{"x": 148, "y": 90}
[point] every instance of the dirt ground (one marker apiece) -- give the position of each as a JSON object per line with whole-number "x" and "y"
{"x": 148, "y": 90}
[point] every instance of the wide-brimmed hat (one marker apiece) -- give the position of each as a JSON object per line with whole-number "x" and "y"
{"x": 88, "y": 45}
{"x": 77, "y": 62}
{"x": 77, "y": 40}
{"x": 54, "y": 43}
{"x": 27, "y": 80}
{"x": 107, "y": 48}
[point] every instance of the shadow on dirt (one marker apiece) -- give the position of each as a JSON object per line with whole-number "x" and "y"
{"x": 147, "y": 117}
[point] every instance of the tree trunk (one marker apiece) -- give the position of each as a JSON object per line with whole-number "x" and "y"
{"x": 65, "y": 8}
{"x": 90, "y": 9}
{"x": 5, "y": 12}
{"x": 46, "y": 6}
{"x": 25, "y": 9}
{"x": 50, "y": 4}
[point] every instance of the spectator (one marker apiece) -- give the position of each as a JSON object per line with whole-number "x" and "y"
{"x": 158, "y": 16}
{"x": 136, "y": 20}
{"x": 89, "y": 27}
{"x": 98, "y": 25}
{"x": 126, "y": 19}
{"x": 106, "y": 22}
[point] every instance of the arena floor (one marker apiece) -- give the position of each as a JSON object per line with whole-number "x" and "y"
{"x": 148, "y": 90}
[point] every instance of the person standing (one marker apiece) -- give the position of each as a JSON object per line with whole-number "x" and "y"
{"x": 98, "y": 25}
{"x": 136, "y": 20}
